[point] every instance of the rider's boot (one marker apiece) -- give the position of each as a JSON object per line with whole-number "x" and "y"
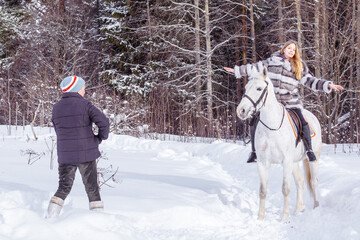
{"x": 307, "y": 142}
{"x": 252, "y": 157}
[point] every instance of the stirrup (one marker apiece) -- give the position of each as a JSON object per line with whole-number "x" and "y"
{"x": 252, "y": 157}
{"x": 311, "y": 155}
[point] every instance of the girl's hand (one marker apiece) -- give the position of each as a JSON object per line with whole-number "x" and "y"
{"x": 336, "y": 87}
{"x": 232, "y": 70}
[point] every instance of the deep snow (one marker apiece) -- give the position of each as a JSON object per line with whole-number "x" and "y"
{"x": 173, "y": 190}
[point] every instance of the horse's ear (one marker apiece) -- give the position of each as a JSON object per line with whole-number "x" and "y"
{"x": 265, "y": 72}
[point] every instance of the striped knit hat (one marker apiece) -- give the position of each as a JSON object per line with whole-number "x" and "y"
{"x": 72, "y": 84}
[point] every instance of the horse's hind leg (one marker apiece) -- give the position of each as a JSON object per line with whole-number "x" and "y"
{"x": 314, "y": 181}
{"x": 299, "y": 182}
{"x": 263, "y": 170}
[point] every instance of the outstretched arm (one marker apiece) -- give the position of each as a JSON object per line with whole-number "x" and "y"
{"x": 229, "y": 69}
{"x": 317, "y": 84}
{"x": 336, "y": 87}
{"x": 238, "y": 70}
{"x": 247, "y": 69}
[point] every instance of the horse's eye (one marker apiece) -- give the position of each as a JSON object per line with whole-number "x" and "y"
{"x": 259, "y": 89}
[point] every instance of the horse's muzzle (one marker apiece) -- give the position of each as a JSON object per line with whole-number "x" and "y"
{"x": 243, "y": 113}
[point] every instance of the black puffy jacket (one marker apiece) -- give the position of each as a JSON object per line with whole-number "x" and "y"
{"x": 72, "y": 117}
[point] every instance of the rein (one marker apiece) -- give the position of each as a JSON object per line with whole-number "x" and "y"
{"x": 281, "y": 123}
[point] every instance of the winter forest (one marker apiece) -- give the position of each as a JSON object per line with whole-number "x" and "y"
{"x": 157, "y": 65}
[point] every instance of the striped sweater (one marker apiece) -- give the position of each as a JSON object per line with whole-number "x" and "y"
{"x": 283, "y": 78}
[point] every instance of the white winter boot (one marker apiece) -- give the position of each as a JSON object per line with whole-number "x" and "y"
{"x": 96, "y": 206}
{"x": 55, "y": 207}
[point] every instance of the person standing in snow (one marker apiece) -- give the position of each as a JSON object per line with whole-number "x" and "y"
{"x": 77, "y": 146}
{"x": 286, "y": 71}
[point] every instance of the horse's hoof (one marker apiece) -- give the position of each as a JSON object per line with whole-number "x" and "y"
{"x": 316, "y": 204}
{"x": 261, "y": 217}
{"x": 285, "y": 218}
{"x": 299, "y": 211}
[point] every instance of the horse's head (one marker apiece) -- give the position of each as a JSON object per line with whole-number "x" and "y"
{"x": 256, "y": 91}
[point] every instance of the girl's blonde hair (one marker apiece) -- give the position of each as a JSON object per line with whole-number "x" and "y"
{"x": 295, "y": 60}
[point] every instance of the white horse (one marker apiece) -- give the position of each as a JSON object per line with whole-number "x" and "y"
{"x": 275, "y": 142}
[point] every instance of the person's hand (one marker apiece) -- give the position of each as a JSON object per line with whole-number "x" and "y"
{"x": 336, "y": 87}
{"x": 229, "y": 69}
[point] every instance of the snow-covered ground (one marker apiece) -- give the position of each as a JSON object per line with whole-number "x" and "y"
{"x": 172, "y": 190}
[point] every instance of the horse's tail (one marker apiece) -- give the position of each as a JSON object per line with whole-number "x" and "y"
{"x": 308, "y": 172}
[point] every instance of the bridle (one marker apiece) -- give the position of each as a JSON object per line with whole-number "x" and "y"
{"x": 264, "y": 95}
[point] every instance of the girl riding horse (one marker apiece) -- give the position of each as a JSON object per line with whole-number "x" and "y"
{"x": 286, "y": 71}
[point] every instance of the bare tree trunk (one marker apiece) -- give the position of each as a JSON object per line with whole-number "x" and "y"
{"x": 199, "y": 118}
{"x": 351, "y": 85}
{"x": 238, "y": 80}
{"x": 252, "y": 31}
{"x": 324, "y": 60}
{"x": 115, "y": 105}
{"x": 9, "y": 103}
{"x": 27, "y": 110}
{"x": 209, "y": 69}
{"x": 298, "y": 17}
{"x": 357, "y": 95}
{"x": 281, "y": 23}
{"x": 149, "y": 25}
{"x": 148, "y": 13}
{"x": 244, "y": 45}
{"x": 321, "y": 16}
{"x": 62, "y": 6}
{"x": 244, "y": 33}
{"x": 324, "y": 32}
{"x": 16, "y": 114}
{"x": 42, "y": 115}
{"x": 317, "y": 38}
{"x": 33, "y": 121}
{"x": 238, "y": 58}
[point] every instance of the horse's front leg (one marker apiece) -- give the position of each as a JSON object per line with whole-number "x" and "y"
{"x": 287, "y": 170}
{"x": 263, "y": 170}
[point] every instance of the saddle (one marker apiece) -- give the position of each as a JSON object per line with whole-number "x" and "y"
{"x": 297, "y": 126}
